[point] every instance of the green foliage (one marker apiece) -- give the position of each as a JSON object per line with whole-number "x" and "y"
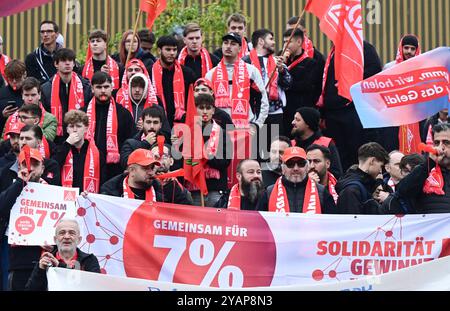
{"x": 211, "y": 18}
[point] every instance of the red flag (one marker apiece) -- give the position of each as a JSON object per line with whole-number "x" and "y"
{"x": 13, "y": 7}
{"x": 153, "y": 8}
{"x": 341, "y": 21}
{"x": 194, "y": 171}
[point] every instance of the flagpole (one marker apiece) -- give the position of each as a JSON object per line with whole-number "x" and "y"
{"x": 134, "y": 35}
{"x": 202, "y": 199}
{"x": 285, "y": 46}
{"x": 66, "y": 24}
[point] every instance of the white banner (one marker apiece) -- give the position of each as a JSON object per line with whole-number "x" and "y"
{"x": 37, "y": 210}
{"x": 433, "y": 275}
{"x": 223, "y": 248}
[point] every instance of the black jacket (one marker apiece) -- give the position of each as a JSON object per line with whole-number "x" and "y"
{"x": 126, "y": 128}
{"x": 79, "y": 158}
{"x": 372, "y": 66}
{"x": 195, "y": 64}
{"x": 246, "y": 205}
{"x": 9, "y": 97}
{"x": 412, "y": 187}
{"x": 296, "y": 193}
{"x": 114, "y": 187}
{"x": 306, "y": 85}
{"x": 335, "y": 160}
{"x": 269, "y": 176}
{"x": 352, "y": 198}
{"x": 40, "y": 65}
{"x": 38, "y": 278}
{"x": 167, "y": 84}
{"x": 7, "y": 160}
{"x": 173, "y": 192}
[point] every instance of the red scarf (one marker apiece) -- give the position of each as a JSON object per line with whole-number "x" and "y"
{"x": 271, "y": 65}
{"x": 112, "y": 145}
{"x": 278, "y": 198}
{"x": 76, "y": 99}
{"x": 91, "y": 173}
{"x": 71, "y": 263}
{"x": 408, "y": 134}
{"x": 429, "y": 140}
{"x": 435, "y": 182}
{"x": 88, "y": 71}
{"x": 44, "y": 148}
{"x": 123, "y": 95}
{"x": 4, "y": 60}
{"x": 308, "y": 46}
{"x": 332, "y": 181}
{"x": 244, "y": 49}
{"x": 234, "y": 200}
{"x": 399, "y": 57}
{"x": 178, "y": 87}
{"x": 320, "y": 102}
{"x": 240, "y": 97}
{"x": 409, "y": 138}
{"x": 206, "y": 59}
{"x": 150, "y": 195}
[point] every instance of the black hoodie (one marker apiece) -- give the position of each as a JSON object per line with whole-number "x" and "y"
{"x": 355, "y": 199}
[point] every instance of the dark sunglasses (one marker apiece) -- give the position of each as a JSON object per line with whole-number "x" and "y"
{"x": 291, "y": 164}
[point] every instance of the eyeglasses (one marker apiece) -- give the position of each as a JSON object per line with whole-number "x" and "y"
{"x": 291, "y": 164}
{"x": 46, "y": 31}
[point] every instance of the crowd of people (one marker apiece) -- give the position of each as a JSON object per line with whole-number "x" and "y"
{"x": 111, "y": 126}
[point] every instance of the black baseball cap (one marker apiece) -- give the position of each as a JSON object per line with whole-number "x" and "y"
{"x": 232, "y": 36}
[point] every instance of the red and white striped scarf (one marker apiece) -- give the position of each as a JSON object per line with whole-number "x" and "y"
{"x": 207, "y": 64}
{"x": 88, "y": 71}
{"x": 150, "y": 195}
{"x": 112, "y": 145}
{"x": 178, "y": 87}
{"x": 91, "y": 173}
{"x": 234, "y": 200}
{"x": 44, "y": 148}
{"x": 278, "y": 201}
{"x": 76, "y": 99}
{"x": 332, "y": 181}
{"x": 240, "y": 97}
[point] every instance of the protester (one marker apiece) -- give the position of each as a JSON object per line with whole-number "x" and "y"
{"x": 65, "y": 255}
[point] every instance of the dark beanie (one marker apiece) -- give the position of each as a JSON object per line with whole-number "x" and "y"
{"x": 410, "y": 40}
{"x": 311, "y": 117}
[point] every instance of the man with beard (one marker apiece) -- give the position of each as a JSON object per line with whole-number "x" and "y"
{"x": 406, "y": 137}
{"x": 305, "y": 131}
{"x": 295, "y": 192}
{"x": 138, "y": 182}
{"x": 429, "y": 190}
{"x": 171, "y": 80}
{"x": 110, "y": 124}
{"x": 426, "y": 134}
{"x": 152, "y": 126}
{"x": 319, "y": 164}
{"x": 393, "y": 172}
{"x": 13, "y": 132}
{"x": 249, "y": 189}
{"x": 263, "y": 59}
{"x": 194, "y": 55}
{"x": 172, "y": 190}
{"x": 271, "y": 170}
{"x": 21, "y": 258}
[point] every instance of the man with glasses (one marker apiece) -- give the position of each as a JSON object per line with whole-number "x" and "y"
{"x": 139, "y": 182}
{"x": 40, "y": 62}
{"x": 294, "y": 191}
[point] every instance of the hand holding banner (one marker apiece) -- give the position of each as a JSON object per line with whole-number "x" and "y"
{"x": 37, "y": 211}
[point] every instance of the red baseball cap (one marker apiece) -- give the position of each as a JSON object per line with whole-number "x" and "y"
{"x": 142, "y": 157}
{"x": 205, "y": 82}
{"x": 14, "y": 127}
{"x": 293, "y": 152}
{"x": 34, "y": 154}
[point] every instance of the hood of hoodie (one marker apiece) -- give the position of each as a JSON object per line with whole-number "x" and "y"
{"x": 138, "y": 75}
{"x": 369, "y": 183}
